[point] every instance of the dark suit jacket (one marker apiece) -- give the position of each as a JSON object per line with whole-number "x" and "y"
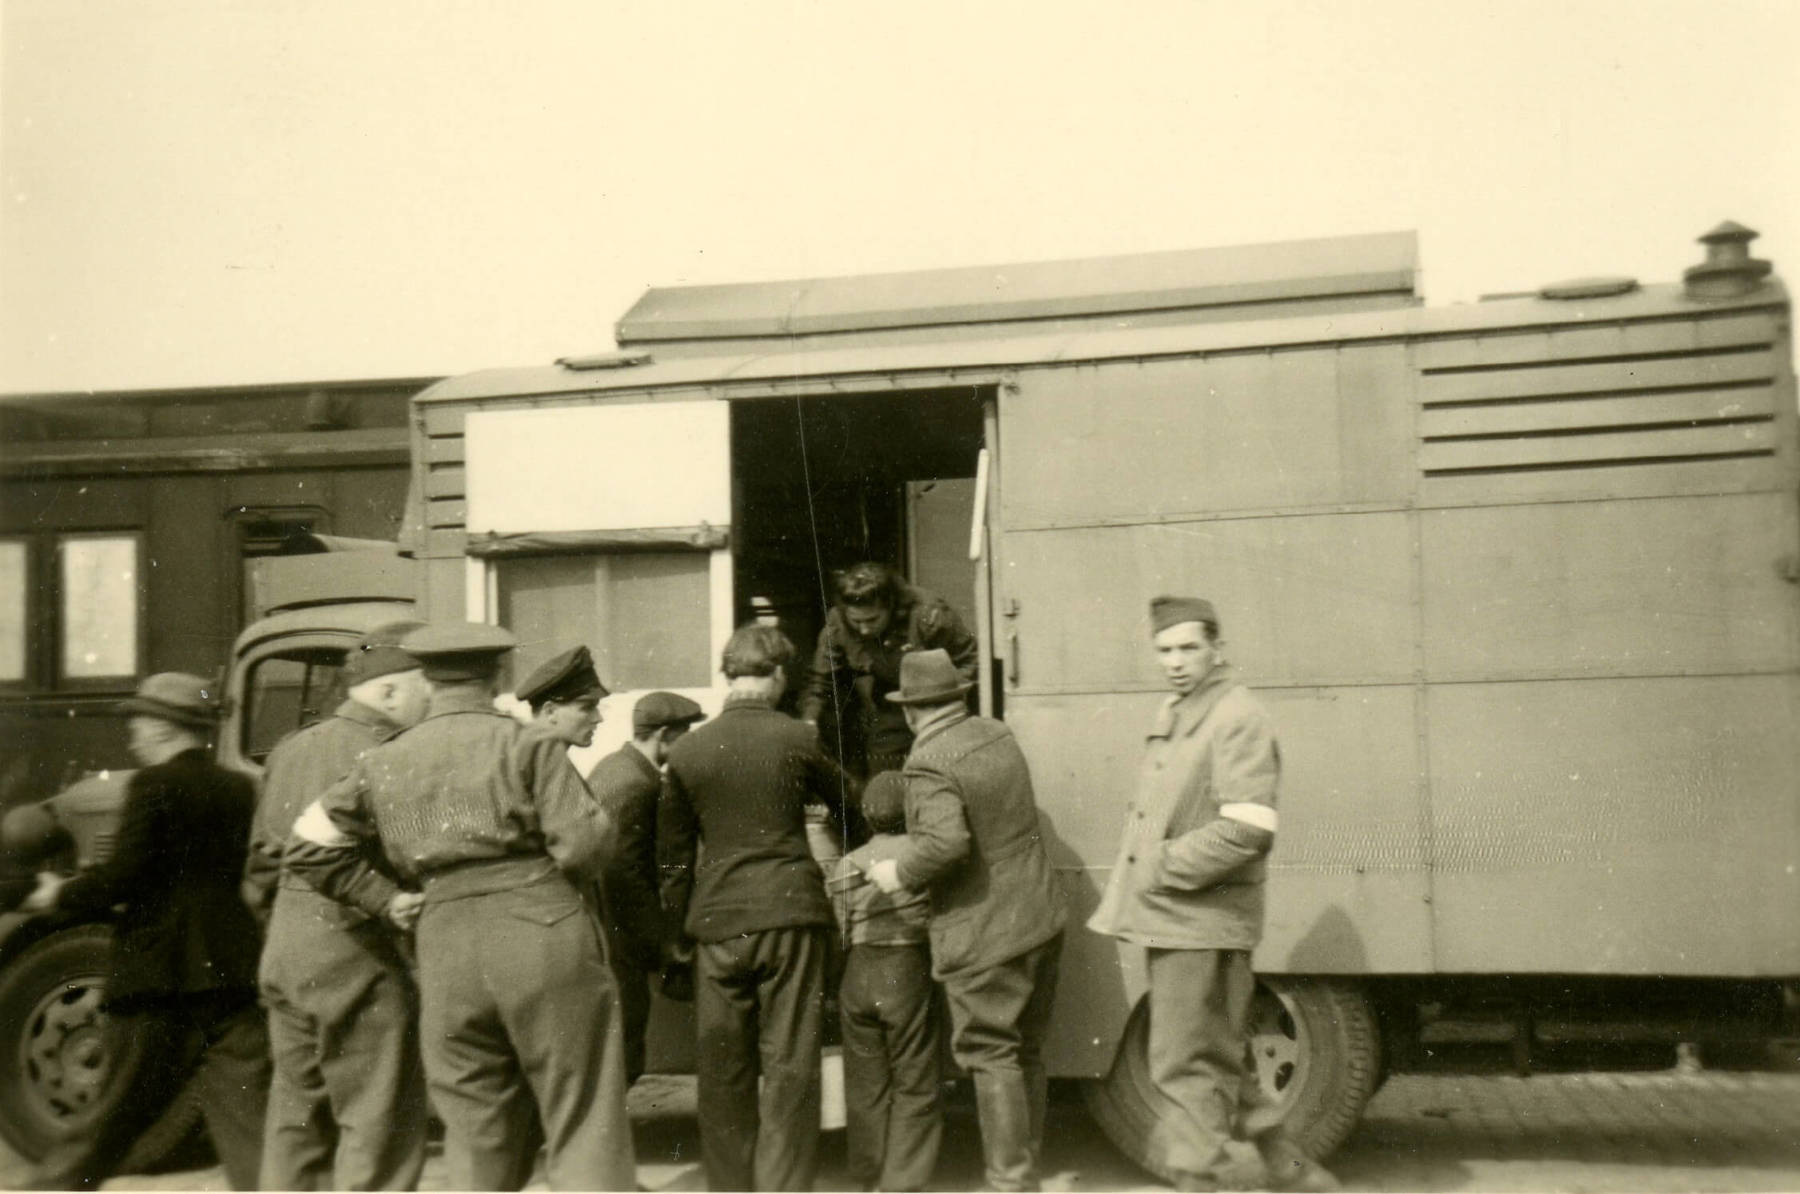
{"x": 737, "y": 791}
{"x": 182, "y": 839}
{"x": 627, "y": 786}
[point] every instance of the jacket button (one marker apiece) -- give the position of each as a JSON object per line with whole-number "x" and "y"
{"x": 1131, "y": 858}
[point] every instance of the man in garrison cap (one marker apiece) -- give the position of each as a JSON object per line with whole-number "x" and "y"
{"x": 1188, "y": 886}
{"x": 564, "y": 693}
{"x": 627, "y": 783}
{"x": 491, "y": 821}
{"x": 347, "y": 1105}
{"x": 974, "y": 844}
{"x": 183, "y": 969}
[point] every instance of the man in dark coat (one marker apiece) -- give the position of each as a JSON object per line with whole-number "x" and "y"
{"x": 627, "y": 784}
{"x": 876, "y": 618}
{"x": 347, "y": 1107}
{"x": 517, "y": 1008}
{"x": 185, "y": 950}
{"x": 756, "y": 906}
{"x": 975, "y": 844}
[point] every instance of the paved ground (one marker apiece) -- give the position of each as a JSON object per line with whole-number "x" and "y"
{"x": 1655, "y": 1131}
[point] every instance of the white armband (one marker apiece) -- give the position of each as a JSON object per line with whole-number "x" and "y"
{"x": 316, "y": 826}
{"x": 1257, "y": 816}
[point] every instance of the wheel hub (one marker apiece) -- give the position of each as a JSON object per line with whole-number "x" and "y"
{"x": 65, "y": 1053}
{"x": 1277, "y": 1042}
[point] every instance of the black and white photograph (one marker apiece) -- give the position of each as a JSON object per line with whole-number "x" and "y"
{"x": 802, "y": 596}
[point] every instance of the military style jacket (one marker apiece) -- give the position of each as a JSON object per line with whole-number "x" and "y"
{"x": 1190, "y": 868}
{"x": 464, "y": 789}
{"x": 176, "y": 868}
{"x": 301, "y": 767}
{"x": 975, "y": 844}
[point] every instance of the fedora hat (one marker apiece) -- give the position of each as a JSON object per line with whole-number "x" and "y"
{"x": 929, "y": 678}
{"x": 175, "y": 696}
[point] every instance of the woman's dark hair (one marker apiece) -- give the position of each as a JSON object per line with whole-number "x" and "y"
{"x": 755, "y": 650}
{"x": 869, "y": 583}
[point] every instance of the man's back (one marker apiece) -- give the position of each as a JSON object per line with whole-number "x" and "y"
{"x": 741, "y": 782}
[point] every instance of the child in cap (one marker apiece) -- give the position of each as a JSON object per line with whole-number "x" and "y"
{"x": 893, "y": 1118}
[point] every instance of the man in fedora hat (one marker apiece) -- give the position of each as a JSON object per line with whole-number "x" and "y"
{"x": 1188, "y": 886}
{"x": 517, "y": 1008}
{"x": 627, "y": 783}
{"x": 184, "y": 955}
{"x": 347, "y": 1106}
{"x": 974, "y": 843}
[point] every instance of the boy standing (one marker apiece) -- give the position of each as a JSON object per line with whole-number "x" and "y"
{"x": 893, "y": 1119}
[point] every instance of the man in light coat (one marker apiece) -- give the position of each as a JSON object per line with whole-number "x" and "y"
{"x": 1188, "y": 886}
{"x": 973, "y": 841}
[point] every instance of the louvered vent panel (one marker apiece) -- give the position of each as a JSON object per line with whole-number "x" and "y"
{"x": 1598, "y": 412}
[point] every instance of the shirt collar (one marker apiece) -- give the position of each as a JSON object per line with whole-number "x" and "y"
{"x": 941, "y": 719}
{"x": 443, "y": 702}
{"x": 746, "y": 700}
{"x": 1182, "y": 714}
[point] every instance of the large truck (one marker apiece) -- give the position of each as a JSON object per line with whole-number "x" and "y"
{"x": 1515, "y": 578}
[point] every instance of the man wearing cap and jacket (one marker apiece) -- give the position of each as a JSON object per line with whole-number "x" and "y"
{"x": 974, "y": 843}
{"x": 564, "y": 693}
{"x": 517, "y": 1007}
{"x": 347, "y": 1105}
{"x": 627, "y": 784}
{"x": 1188, "y": 886}
{"x": 184, "y": 952}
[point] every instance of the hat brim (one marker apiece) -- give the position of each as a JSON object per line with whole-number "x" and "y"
{"x": 150, "y": 707}
{"x": 936, "y": 696}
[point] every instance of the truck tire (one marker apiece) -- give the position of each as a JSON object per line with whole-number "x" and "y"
{"x": 60, "y": 1074}
{"x": 1318, "y": 1056}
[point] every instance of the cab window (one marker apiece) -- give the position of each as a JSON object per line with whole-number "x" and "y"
{"x": 287, "y": 692}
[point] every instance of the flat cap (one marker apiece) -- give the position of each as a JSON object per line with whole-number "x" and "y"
{"x": 184, "y": 699}
{"x": 565, "y": 677}
{"x": 452, "y": 651}
{"x": 1173, "y": 611}
{"x": 378, "y": 653}
{"x": 655, "y": 710}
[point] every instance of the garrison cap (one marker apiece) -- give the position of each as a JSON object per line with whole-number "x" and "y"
{"x": 655, "y": 710}
{"x": 178, "y": 697}
{"x": 452, "y": 651}
{"x": 566, "y": 677}
{"x": 1173, "y": 611}
{"x": 378, "y": 653}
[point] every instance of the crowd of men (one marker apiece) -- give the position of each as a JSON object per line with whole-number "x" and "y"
{"x": 449, "y": 909}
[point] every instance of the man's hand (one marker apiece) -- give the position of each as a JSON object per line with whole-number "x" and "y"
{"x": 886, "y": 875}
{"x": 403, "y": 909}
{"x": 43, "y": 897}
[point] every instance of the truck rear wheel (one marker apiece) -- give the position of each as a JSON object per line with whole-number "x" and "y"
{"x": 61, "y": 1070}
{"x": 1317, "y": 1053}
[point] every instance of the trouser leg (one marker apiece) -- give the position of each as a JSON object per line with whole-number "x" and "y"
{"x": 369, "y": 1058}
{"x": 791, "y": 983}
{"x": 915, "y": 1121}
{"x": 1199, "y": 1016}
{"x": 997, "y": 1020}
{"x": 232, "y": 1081}
{"x": 633, "y": 986}
{"x": 725, "y": 1024}
{"x": 299, "y": 1135}
{"x": 475, "y": 1083}
{"x": 868, "y": 1089}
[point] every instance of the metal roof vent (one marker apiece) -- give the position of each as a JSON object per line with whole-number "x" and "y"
{"x": 1728, "y": 270}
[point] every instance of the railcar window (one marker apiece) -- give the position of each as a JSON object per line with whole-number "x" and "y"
{"x": 12, "y": 611}
{"x": 99, "y": 595}
{"x": 287, "y": 692}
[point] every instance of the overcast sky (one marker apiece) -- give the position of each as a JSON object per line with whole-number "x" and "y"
{"x": 230, "y": 191}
